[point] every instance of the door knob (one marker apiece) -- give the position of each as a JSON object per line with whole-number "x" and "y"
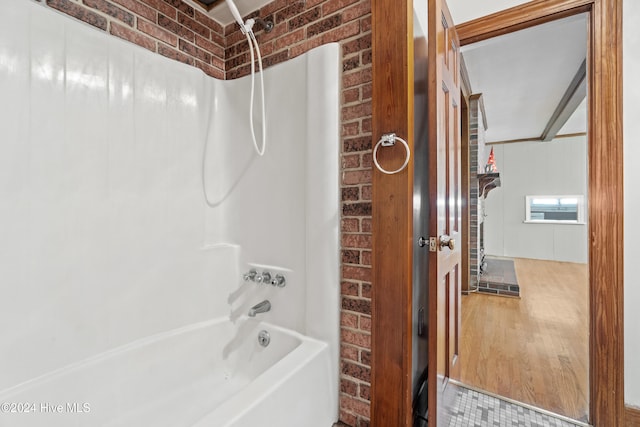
{"x": 446, "y": 241}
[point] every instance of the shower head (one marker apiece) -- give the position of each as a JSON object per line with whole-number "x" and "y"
{"x": 235, "y": 13}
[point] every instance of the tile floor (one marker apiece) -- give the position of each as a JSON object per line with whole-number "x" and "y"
{"x": 475, "y": 409}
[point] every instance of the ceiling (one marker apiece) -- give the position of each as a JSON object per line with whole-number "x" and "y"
{"x": 523, "y": 76}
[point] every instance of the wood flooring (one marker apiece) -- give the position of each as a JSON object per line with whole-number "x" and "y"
{"x": 533, "y": 349}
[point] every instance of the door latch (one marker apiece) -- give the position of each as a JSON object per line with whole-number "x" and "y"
{"x": 433, "y": 244}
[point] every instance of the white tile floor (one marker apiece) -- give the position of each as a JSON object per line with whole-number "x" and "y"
{"x": 475, "y": 409}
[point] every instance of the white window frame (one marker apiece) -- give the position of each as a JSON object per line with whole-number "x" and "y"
{"x": 581, "y": 210}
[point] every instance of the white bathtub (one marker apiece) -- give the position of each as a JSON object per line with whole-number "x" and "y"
{"x": 211, "y": 374}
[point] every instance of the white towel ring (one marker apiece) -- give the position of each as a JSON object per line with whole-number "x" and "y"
{"x": 388, "y": 140}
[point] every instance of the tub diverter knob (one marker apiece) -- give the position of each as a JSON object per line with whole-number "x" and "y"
{"x": 278, "y": 281}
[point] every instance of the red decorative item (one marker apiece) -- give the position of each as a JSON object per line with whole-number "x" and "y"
{"x": 491, "y": 164}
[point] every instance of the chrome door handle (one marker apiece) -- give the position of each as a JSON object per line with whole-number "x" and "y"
{"x": 447, "y": 241}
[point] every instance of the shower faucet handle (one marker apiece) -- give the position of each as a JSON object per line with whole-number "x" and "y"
{"x": 279, "y": 281}
{"x": 265, "y": 277}
{"x": 251, "y": 275}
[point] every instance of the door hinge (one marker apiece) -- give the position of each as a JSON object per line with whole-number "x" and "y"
{"x": 433, "y": 244}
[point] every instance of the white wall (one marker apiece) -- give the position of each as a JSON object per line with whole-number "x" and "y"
{"x": 464, "y": 10}
{"x": 536, "y": 168}
{"x": 105, "y": 233}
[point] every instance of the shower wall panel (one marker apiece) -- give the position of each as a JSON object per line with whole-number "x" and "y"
{"x": 102, "y": 214}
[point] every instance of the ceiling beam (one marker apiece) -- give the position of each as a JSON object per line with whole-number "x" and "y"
{"x": 573, "y": 97}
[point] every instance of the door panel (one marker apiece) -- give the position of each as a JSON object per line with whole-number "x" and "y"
{"x": 445, "y": 208}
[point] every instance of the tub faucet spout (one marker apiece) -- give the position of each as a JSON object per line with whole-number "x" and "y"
{"x": 261, "y": 307}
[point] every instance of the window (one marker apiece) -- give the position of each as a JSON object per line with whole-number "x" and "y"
{"x": 555, "y": 209}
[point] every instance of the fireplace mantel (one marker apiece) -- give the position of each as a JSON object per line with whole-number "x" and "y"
{"x": 487, "y": 182}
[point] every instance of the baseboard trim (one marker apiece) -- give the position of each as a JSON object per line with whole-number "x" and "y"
{"x": 631, "y": 416}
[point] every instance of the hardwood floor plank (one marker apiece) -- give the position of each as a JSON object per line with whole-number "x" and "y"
{"x": 534, "y": 349}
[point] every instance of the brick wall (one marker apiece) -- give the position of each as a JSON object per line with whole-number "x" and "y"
{"x": 176, "y": 30}
{"x": 171, "y": 28}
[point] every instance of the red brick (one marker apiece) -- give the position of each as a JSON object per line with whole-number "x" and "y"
{"x": 350, "y": 288}
{"x": 356, "y": 273}
{"x": 304, "y": 19}
{"x": 154, "y": 31}
{"x": 162, "y": 7}
{"x": 365, "y": 323}
{"x": 354, "y": 405}
{"x": 209, "y": 46}
{"x": 288, "y": 12}
{"x": 208, "y": 22}
{"x": 358, "y": 241}
{"x": 357, "y": 45}
{"x": 351, "y": 161}
{"x": 366, "y": 192}
{"x": 278, "y": 31}
{"x": 367, "y": 160}
{"x": 349, "y": 353}
{"x": 357, "y": 78}
{"x": 112, "y": 10}
{"x": 367, "y": 91}
{"x": 356, "y": 304}
{"x": 365, "y": 392}
{"x": 366, "y": 290}
{"x": 305, "y": 47}
{"x": 349, "y": 224}
{"x": 79, "y": 12}
{"x": 366, "y": 225}
{"x": 194, "y": 51}
{"x": 366, "y": 125}
{"x": 290, "y": 39}
{"x": 365, "y": 24}
{"x": 356, "y": 338}
{"x": 365, "y": 357}
{"x": 350, "y": 95}
{"x": 133, "y": 36}
{"x": 181, "y": 6}
{"x": 194, "y": 26}
{"x": 349, "y": 320}
{"x": 362, "y": 143}
{"x": 356, "y": 111}
{"x": 356, "y": 11}
{"x": 324, "y": 25}
{"x": 176, "y": 28}
{"x": 275, "y": 6}
{"x": 348, "y": 387}
{"x": 358, "y": 372}
{"x": 351, "y": 256}
{"x": 333, "y": 5}
{"x": 356, "y": 177}
{"x": 341, "y": 33}
{"x": 348, "y": 419}
{"x": 365, "y": 258}
{"x": 165, "y": 50}
{"x": 139, "y": 9}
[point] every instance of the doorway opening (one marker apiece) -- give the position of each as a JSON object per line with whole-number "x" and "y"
{"x": 525, "y": 313}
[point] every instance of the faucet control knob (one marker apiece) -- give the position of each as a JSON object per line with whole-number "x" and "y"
{"x": 279, "y": 281}
{"x": 265, "y": 277}
{"x": 251, "y": 275}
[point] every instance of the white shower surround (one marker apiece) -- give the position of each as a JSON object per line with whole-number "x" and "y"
{"x": 106, "y": 237}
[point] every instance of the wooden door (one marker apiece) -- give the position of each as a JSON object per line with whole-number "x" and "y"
{"x": 445, "y": 210}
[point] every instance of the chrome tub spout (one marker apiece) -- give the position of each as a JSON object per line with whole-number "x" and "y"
{"x": 261, "y": 307}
